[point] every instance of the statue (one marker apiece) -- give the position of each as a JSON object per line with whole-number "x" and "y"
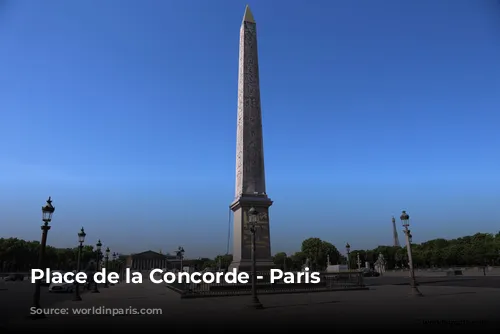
{"x": 358, "y": 261}
{"x": 380, "y": 264}
{"x": 307, "y": 264}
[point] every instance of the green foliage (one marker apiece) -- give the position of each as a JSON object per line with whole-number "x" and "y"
{"x": 318, "y": 252}
{"x": 297, "y": 259}
{"x": 221, "y": 262}
{"x": 314, "y": 249}
{"x": 477, "y": 250}
{"x": 20, "y": 255}
{"x": 282, "y": 261}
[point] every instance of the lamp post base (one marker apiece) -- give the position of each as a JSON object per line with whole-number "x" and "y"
{"x": 415, "y": 292}
{"x": 95, "y": 288}
{"x": 77, "y": 299}
{"x": 36, "y": 312}
{"x": 256, "y": 304}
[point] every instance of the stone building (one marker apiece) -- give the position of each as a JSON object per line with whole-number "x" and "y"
{"x": 148, "y": 260}
{"x": 152, "y": 260}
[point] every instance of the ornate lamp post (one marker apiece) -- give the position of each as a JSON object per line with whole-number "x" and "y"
{"x": 180, "y": 254}
{"x": 47, "y": 212}
{"x": 348, "y": 251}
{"x": 121, "y": 269}
{"x": 81, "y": 239}
{"x": 106, "y": 261}
{"x": 253, "y": 219}
{"x": 358, "y": 261}
{"x": 405, "y": 220}
{"x": 114, "y": 263}
{"x": 97, "y": 262}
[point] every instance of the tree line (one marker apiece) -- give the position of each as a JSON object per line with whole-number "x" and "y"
{"x": 479, "y": 249}
{"x": 18, "y": 255}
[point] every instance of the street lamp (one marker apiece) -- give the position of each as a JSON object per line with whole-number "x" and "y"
{"x": 106, "y": 261}
{"x": 253, "y": 219}
{"x": 81, "y": 239}
{"x": 47, "y": 212}
{"x": 121, "y": 269}
{"x": 180, "y": 253}
{"x": 98, "y": 260}
{"x": 116, "y": 266}
{"x": 405, "y": 220}
{"x": 113, "y": 262}
{"x": 348, "y": 251}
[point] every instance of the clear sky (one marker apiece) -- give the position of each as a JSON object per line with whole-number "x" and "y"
{"x": 125, "y": 113}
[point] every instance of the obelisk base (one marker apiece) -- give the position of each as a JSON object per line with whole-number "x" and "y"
{"x": 246, "y": 265}
{"x": 242, "y": 246}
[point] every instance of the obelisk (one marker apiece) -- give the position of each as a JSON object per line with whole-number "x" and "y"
{"x": 250, "y": 175}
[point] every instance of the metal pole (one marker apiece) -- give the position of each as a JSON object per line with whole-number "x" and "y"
{"x": 36, "y": 296}
{"x": 255, "y": 299}
{"x": 348, "y": 260}
{"x": 120, "y": 274}
{"x": 106, "y": 259}
{"x": 98, "y": 259}
{"x": 113, "y": 267}
{"x": 77, "y": 285}
{"x": 413, "y": 281}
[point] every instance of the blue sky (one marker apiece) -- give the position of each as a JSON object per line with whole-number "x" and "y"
{"x": 125, "y": 113}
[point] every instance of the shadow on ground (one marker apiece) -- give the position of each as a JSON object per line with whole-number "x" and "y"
{"x": 301, "y": 304}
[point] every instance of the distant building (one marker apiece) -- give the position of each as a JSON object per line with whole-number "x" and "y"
{"x": 151, "y": 260}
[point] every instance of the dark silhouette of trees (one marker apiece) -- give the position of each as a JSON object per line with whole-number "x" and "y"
{"x": 479, "y": 249}
{"x": 17, "y": 255}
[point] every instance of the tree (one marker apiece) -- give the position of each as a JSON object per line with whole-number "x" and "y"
{"x": 318, "y": 252}
{"x": 297, "y": 260}
{"x": 282, "y": 261}
{"x": 476, "y": 250}
{"x": 224, "y": 261}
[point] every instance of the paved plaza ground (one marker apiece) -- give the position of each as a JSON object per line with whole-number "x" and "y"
{"x": 17, "y": 297}
{"x": 384, "y": 305}
{"x": 459, "y": 281}
{"x": 467, "y": 272}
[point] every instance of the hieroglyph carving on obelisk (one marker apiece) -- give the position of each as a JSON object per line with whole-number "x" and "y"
{"x": 250, "y": 175}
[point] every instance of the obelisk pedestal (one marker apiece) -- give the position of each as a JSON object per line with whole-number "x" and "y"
{"x": 250, "y": 174}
